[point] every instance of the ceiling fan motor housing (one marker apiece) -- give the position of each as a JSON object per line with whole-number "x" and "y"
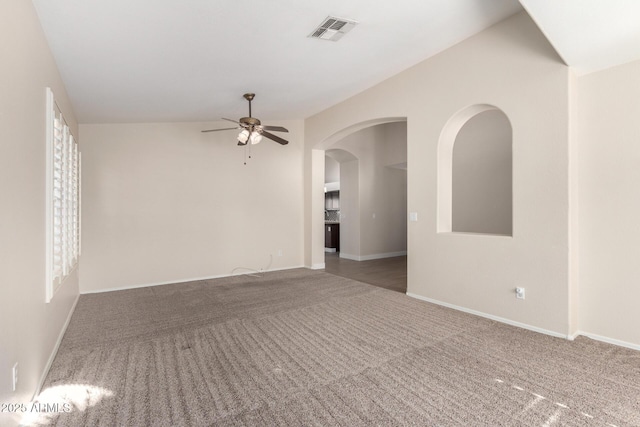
{"x": 249, "y": 121}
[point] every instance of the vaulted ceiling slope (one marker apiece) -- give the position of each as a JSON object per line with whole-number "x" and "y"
{"x": 163, "y": 60}
{"x": 589, "y": 35}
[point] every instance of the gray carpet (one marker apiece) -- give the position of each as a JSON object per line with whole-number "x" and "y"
{"x": 301, "y": 348}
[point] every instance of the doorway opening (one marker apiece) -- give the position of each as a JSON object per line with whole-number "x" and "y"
{"x": 366, "y": 206}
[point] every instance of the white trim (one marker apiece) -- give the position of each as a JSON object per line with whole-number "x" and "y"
{"x": 330, "y": 250}
{"x": 610, "y": 340}
{"x": 573, "y": 336}
{"x": 490, "y": 316}
{"x": 317, "y": 266}
{"x": 373, "y": 256}
{"x": 569, "y": 337}
{"x": 193, "y": 279}
{"x": 45, "y": 372}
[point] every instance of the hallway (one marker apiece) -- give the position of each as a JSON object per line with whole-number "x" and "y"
{"x": 388, "y": 273}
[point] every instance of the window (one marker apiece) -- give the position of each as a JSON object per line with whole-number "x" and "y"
{"x": 63, "y": 199}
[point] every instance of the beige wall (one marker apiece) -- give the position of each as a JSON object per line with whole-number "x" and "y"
{"x": 30, "y": 327}
{"x": 513, "y": 67}
{"x": 608, "y": 113}
{"x": 350, "y": 207}
{"x": 164, "y": 202}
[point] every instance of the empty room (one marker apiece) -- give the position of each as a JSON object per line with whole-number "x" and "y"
{"x": 336, "y": 213}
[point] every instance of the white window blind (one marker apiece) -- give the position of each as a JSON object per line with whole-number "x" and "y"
{"x": 63, "y": 199}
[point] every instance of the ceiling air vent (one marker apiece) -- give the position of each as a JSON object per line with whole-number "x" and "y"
{"x": 333, "y": 28}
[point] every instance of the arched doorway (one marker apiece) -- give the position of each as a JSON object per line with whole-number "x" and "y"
{"x": 373, "y": 194}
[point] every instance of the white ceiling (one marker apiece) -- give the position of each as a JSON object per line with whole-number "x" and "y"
{"x": 191, "y": 60}
{"x": 590, "y": 35}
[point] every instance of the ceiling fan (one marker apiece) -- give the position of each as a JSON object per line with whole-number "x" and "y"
{"x": 251, "y": 130}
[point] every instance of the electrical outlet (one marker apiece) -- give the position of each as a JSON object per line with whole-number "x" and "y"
{"x": 520, "y": 293}
{"x": 15, "y": 376}
{"x": 279, "y": 252}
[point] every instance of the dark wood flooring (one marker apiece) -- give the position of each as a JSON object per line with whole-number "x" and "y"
{"x": 389, "y": 273}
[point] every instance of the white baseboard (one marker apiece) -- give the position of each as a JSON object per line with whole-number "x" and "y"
{"x": 573, "y": 336}
{"x": 330, "y": 250}
{"x": 609, "y": 340}
{"x": 569, "y": 337}
{"x": 52, "y": 356}
{"x": 317, "y": 266}
{"x": 492, "y": 317}
{"x": 373, "y": 256}
{"x": 193, "y": 279}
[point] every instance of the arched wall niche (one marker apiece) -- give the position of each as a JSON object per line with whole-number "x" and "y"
{"x": 475, "y": 177}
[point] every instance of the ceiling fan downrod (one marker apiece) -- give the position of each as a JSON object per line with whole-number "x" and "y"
{"x": 249, "y": 97}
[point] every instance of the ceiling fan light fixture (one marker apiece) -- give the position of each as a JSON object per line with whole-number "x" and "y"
{"x": 243, "y": 136}
{"x": 255, "y": 138}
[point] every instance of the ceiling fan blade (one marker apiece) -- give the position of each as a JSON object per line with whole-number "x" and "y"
{"x": 275, "y": 128}
{"x": 275, "y": 138}
{"x": 216, "y": 130}
{"x": 229, "y": 120}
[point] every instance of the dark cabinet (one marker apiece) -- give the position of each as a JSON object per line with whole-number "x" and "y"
{"x": 332, "y": 200}
{"x": 332, "y": 236}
